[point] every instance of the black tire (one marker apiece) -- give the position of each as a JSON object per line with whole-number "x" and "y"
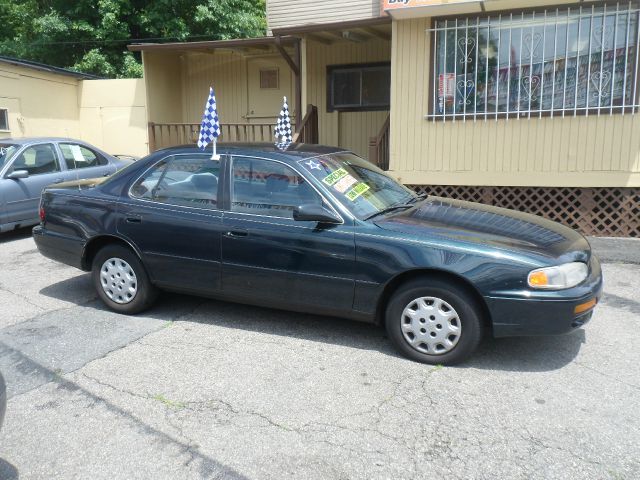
{"x": 468, "y": 312}
{"x": 146, "y": 292}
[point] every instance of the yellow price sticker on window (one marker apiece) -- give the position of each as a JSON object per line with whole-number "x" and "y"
{"x": 334, "y": 176}
{"x": 356, "y": 191}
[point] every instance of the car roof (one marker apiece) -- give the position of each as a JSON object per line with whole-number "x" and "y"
{"x": 27, "y": 140}
{"x": 292, "y": 153}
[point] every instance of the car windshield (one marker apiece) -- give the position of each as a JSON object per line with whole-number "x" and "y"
{"x": 361, "y": 186}
{"x": 7, "y": 150}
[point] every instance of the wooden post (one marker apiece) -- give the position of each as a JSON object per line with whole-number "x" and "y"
{"x": 152, "y": 137}
{"x": 373, "y": 150}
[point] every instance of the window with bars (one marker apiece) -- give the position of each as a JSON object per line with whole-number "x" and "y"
{"x": 569, "y": 61}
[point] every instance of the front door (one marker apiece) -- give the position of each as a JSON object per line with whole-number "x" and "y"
{"x": 172, "y": 217}
{"x": 22, "y": 195}
{"x": 269, "y": 257}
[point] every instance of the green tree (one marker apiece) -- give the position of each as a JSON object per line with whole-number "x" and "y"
{"x": 91, "y": 36}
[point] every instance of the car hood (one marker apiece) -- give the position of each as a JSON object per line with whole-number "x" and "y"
{"x": 489, "y": 227}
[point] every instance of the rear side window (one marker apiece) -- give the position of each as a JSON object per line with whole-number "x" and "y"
{"x": 186, "y": 180}
{"x": 77, "y": 156}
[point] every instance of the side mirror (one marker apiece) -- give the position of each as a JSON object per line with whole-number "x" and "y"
{"x": 312, "y": 212}
{"x": 18, "y": 174}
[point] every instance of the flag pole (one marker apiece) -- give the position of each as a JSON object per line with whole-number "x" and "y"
{"x": 214, "y": 155}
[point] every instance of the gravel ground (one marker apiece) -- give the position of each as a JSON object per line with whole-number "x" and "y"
{"x": 205, "y": 389}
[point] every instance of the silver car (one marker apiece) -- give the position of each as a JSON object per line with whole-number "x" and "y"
{"x": 27, "y": 165}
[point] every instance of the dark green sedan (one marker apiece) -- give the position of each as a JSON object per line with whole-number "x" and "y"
{"x": 319, "y": 230}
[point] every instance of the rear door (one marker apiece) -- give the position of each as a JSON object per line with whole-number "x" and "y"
{"x": 172, "y": 215}
{"x": 22, "y": 195}
{"x": 81, "y": 161}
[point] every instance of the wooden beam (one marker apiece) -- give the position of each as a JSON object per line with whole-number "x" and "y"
{"x": 320, "y": 39}
{"x": 377, "y": 33}
{"x": 295, "y": 67}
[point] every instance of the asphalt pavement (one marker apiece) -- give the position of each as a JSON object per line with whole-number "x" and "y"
{"x": 202, "y": 389}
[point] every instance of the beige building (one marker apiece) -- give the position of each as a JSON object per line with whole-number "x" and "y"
{"x": 529, "y": 105}
{"x": 40, "y": 100}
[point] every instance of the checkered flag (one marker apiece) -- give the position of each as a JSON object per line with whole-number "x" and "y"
{"x": 210, "y": 126}
{"x": 283, "y": 126}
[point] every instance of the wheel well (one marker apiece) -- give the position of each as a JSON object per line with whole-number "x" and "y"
{"x": 94, "y": 246}
{"x": 410, "y": 275}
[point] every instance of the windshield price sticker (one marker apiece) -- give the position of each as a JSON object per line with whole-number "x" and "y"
{"x": 334, "y": 176}
{"x": 356, "y": 191}
{"x": 344, "y": 183}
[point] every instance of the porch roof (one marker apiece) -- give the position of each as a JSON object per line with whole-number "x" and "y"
{"x": 216, "y": 44}
{"x": 368, "y": 25}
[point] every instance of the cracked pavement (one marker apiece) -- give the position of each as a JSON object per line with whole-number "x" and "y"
{"x": 202, "y": 389}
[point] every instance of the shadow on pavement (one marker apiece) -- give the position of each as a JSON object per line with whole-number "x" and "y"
{"x": 8, "y": 471}
{"x": 12, "y": 235}
{"x": 527, "y": 354}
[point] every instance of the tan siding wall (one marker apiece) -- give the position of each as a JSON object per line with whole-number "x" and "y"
{"x": 113, "y": 115}
{"x": 570, "y": 151}
{"x": 163, "y": 79}
{"x": 287, "y": 13}
{"x": 39, "y": 103}
{"x": 345, "y": 129}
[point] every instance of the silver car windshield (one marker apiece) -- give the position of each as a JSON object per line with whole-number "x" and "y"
{"x": 361, "y": 186}
{"x": 7, "y": 150}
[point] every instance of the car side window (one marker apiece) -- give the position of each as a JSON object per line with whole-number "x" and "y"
{"x": 264, "y": 187}
{"x": 186, "y": 180}
{"x": 37, "y": 160}
{"x": 77, "y": 156}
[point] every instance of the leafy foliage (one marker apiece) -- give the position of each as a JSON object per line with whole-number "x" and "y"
{"x": 91, "y": 35}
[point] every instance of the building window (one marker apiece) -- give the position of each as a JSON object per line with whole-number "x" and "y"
{"x": 4, "y": 119}
{"x": 269, "y": 78}
{"x": 358, "y": 87}
{"x": 568, "y": 61}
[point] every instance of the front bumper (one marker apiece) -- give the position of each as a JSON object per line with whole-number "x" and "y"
{"x": 545, "y": 313}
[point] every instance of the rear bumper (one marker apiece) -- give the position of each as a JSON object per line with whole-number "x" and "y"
{"x": 550, "y": 313}
{"x": 61, "y": 248}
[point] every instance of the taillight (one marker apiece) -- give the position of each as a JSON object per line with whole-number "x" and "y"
{"x": 41, "y": 213}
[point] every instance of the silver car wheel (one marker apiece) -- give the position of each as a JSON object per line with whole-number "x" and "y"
{"x": 118, "y": 280}
{"x": 430, "y": 325}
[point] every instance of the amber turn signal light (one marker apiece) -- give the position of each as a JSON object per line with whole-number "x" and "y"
{"x": 583, "y": 307}
{"x": 538, "y": 279}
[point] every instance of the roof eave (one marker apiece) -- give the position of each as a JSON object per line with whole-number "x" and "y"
{"x": 213, "y": 44}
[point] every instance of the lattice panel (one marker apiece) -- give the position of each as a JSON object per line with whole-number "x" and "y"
{"x": 611, "y": 212}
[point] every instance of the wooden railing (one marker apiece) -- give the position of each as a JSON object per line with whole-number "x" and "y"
{"x": 308, "y": 131}
{"x": 162, "y": 135}
{"x": 379, "y": 146}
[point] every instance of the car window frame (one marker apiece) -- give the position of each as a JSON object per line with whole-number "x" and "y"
{"x": 229, "y": 188}
{"x": 83, "y": 145}
{"x": 219, "y": 192}
{"x": 9, "y": 167}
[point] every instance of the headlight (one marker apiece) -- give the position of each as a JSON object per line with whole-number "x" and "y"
{"x": 562, "y": 276}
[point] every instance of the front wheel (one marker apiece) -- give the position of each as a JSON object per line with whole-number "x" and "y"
{"x": 434, "y": 321}
{"x": 121, "y": 280}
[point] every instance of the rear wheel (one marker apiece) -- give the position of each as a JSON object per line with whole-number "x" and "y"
{"x": 434, "y": 321}
{"x": 121, "y": 280}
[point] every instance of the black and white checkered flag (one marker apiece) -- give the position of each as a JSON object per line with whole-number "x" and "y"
{"x": 210, "y": 126}
{"x": 283, "y": 126}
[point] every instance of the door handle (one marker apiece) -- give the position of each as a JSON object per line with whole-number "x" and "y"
{"x": 58, "y": 180}
{"x": 236, "y": 233}
{"x": 133, "y": 220}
